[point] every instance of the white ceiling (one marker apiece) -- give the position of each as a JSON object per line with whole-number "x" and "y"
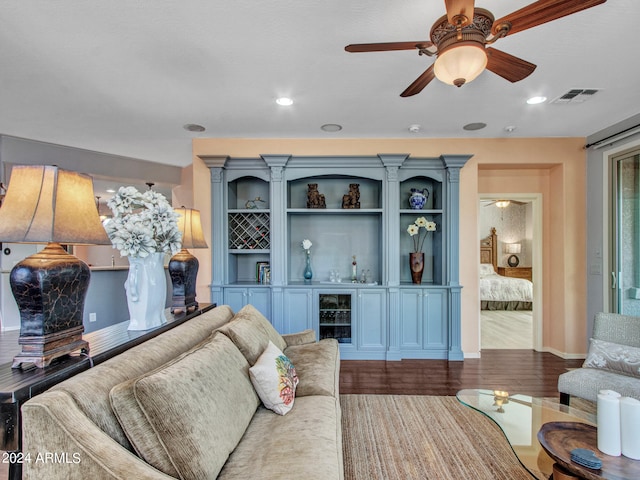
{"x": 124, "y": 76}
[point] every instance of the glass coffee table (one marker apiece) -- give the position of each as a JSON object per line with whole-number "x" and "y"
{"x": 520, "y": 417}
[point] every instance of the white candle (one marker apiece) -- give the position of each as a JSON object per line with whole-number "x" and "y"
{"x": 630, "y": 427}
{"x": 609, "y": 422}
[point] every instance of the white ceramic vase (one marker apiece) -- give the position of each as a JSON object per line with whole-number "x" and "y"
{"x": 146, "y": 288}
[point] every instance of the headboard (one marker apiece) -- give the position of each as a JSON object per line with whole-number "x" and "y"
{"x": 489, "y": 249}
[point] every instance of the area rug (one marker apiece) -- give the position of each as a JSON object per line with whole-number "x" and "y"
{"x": 403, "y": 437}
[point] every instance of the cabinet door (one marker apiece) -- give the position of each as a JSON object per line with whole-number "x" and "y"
{"x": 372, "y": 320}
{"x": 261, "y": 299}
{"x": 411, "y": 319}
{"x": 423, "y": 320}
{"x": 297, "y": 314}
{"x": 435, "y": 319}
{"x": 236, "y": 298}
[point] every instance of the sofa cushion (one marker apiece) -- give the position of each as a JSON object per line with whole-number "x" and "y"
{"x": 188, "y": 416}
{"x": 587, "y": 382}
{"x": 251, "y": 332}
{"x": 274, "y": 378}
{"x": 304, "y": 444}
{"x": 614, "y": 357}
{"x": 318, "y": 367}
{"x": 90, "y": 389}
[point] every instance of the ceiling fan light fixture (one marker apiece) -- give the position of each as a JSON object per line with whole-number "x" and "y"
{"x": 460, "y": 63}
{"x": 502, "y": 203}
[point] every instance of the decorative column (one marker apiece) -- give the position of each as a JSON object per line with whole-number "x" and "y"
{"x": 218, "y": 225}
{"x": 391, "y": 250}
{"x": 453, "y": 164}
{"x": 277, "y": 192}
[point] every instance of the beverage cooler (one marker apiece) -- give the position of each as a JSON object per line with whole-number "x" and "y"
{"x": 335, "y": 316}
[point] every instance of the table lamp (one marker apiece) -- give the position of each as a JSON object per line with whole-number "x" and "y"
{"x": 183, "y": 267}
{"x": 513, "y": 259}
{"x": 46, "y": 204}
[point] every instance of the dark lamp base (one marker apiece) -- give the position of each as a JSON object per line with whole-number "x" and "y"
{"x": 49, "y": 287}
{"x": 183, "y": 268}
{"x": 43, "y": 349}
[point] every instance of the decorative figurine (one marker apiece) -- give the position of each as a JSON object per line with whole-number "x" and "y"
{"x": 352, "y": 199}
{"x": 315, "y": 199}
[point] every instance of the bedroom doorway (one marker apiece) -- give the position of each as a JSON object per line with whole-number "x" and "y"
{"x": 502, "y": 327}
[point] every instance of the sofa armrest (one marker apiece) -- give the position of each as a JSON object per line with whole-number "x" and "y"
{"x": 300, "y": 338}
{"x": 62, "y": 443}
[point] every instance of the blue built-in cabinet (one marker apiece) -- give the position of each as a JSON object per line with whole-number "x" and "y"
{"x": 260, "y": 217}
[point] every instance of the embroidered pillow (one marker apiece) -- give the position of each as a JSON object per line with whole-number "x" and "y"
{"x": 613, "y": 356}
{"x": 274, "y": 378}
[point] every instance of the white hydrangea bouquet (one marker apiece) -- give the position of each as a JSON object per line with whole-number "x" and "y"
{"x": 414, "y": 231}
{"x": 142, "y": 223}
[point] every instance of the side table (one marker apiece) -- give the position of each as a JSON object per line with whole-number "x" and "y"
{"x": 559, "y": 438}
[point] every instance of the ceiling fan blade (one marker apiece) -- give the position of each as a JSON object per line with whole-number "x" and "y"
{"x": 384, "y": 47}
{"x": 507, "y": 66}
{"x": 419, "y": 83}
{"x": 459, "y": 8}
{"x": 540, "y": 12}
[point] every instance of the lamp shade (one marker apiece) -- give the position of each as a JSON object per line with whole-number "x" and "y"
{"x": 460, "y": 63}
{"x": 514, "y": 247}
{"x": 48, "y": 204}
{"x": 191, "y": 228}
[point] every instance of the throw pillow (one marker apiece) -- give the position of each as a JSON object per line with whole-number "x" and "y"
{"x": 274, "y": 378}
{"x": 614, "y": 357}
{"x": 187, "y": 417}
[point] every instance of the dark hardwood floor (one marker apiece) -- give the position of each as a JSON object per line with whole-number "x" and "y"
{"x": 516, "y": 371}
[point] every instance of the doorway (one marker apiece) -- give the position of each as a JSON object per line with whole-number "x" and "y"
{"x": 514, "y": 329}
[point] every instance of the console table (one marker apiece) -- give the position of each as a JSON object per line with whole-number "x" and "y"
{"x": 18, "y": 385}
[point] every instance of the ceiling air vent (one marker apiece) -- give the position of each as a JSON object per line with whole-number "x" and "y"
{"x": 576, "y": 95}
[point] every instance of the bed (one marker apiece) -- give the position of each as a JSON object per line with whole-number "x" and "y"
{"x": 498, "y": 292}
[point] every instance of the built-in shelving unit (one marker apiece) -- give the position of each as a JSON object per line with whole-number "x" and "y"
{"x": 382, "y": 315}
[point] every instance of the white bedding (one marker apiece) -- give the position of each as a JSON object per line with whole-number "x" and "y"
{"x": 496, "y": 288}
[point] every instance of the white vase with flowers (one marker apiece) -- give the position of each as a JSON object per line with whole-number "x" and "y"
{"x": 144, "y": 228}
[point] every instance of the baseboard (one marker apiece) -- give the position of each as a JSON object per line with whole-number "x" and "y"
{"x": 564, "y": 355}
{"x": 472, "y": 355}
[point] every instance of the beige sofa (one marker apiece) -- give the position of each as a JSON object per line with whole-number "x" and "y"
{"x": 182, "y": 405}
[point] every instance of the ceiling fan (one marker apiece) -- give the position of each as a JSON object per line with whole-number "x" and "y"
{"x": 459, "y": 41}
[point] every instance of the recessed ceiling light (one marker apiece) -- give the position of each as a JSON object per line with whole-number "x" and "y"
{"x": 536, "y": 100}
{"x": 474, "y": 126}
{"x": 414, "y": 128}
{"x": 510, "y": 128}
{"x": 110, "y": 190}
{"x": 284, "y": 101}
{"x": 331, "y": 127}
{"x": 193, "y": 127}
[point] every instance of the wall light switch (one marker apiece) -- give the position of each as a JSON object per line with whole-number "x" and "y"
{"x": 92, "y": 317}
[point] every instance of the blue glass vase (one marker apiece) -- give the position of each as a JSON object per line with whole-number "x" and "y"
{"x": 308, "y": 273}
